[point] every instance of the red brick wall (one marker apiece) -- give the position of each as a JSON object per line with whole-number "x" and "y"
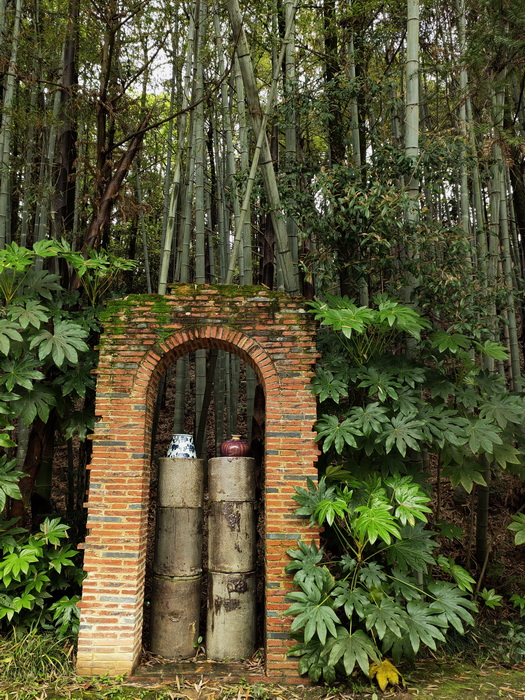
{"x": 143, "y": 335}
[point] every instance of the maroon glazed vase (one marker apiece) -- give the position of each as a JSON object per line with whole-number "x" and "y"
{"x": 235, "y": 447}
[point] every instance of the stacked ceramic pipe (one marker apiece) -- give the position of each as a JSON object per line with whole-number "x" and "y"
{"x": 177, "y": 567}
{"x": 230, "y": 628}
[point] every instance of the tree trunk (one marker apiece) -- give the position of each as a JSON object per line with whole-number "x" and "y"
{"x": 267, "y": 170}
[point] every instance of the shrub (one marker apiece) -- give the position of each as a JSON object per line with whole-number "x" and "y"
{"x": 377, "y": 596}
{"x": 37, "y": 573}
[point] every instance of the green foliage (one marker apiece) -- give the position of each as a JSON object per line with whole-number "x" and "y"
{"x": 45, "y": 358}
{"x": 378, "y": 410}
{"x": 363, "y": 331}
{"x": 512, "y": 644}
{"x": 518, "y": 527}
{"x": 97, "y": 270}
{"x": 9, "y": 478}
{"x": 45, "y": 366}
{"x": 518, "y": 602}
{"x": 373, "y": 414}
{"x": 490, "y": 598}
{"x": 34, "y": 570}
{"x": 28, "y": 657}
{"x": 351, "y": 611}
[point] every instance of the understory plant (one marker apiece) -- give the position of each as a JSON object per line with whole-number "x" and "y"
{"x": 392, "y": 391}
{"x": 46, "y": 387}
{"x": 386, "y": 403}
{"x": 376, "y": 595}
{"x": 39, "y": 573}
{"x": 32, "y": 661}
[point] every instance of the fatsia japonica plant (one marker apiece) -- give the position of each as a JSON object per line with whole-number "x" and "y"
{"x": 382, "y": 411}
{"x": 46, "y": 359}
{"x": 377, "y": 597}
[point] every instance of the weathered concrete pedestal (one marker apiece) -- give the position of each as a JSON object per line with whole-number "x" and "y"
{"x": 231, "y": 614}
{"x": 177, "y": 567}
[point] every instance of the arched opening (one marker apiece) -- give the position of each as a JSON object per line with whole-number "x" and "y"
{"x": 235, "y": 405}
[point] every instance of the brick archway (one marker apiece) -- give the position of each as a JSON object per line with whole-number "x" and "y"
{"x": 143, "y": 335}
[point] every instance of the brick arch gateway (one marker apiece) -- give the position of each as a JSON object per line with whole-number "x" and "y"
{"x": 143, "y": 335}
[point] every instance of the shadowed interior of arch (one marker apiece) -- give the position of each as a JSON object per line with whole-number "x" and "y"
{"x": 234, "y": 406}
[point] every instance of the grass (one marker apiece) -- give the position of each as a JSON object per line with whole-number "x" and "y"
{"x": 486, "y": 663}
{"x": 31, "y": 658}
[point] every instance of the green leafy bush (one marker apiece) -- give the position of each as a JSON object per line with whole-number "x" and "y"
{"x": 45, "y": 355}
{"x": 45, "y": 373}
{"x": 378, "y": 596}
{"x": 380, "y": 409}
{"x": 35, "y": 569}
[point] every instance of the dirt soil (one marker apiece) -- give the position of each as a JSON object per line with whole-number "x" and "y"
{"x": 433, "y": 679}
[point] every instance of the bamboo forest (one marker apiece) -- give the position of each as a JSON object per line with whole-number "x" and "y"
{"x": 365, "y": 157}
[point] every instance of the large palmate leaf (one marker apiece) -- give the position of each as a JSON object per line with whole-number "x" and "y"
{"x": 63, "y": 344}
{"x": 309, "y": 498}
{"x": 40, "y": 283}
{"x": 79, "y": 423}
{"x": 304, "y": 564}
{"x": 408, "y": 374}
{"x": 370, "y": 418}
{"x": 8, "y": 331}
{"x": 399, "y": 316}
{"x": 332, "y": 432}
{"x": 463, "y": 579}
{"x": 372, "y": 575}
{"x": 452, "y": 604}
{"x": 380, "y": 382}
{"x": 493, "y": 349}
{"x": 405, "y": 586}
{"x": 482, "y": 435}
{"x": 15, "y": 257}
{"x": 386, "y": 673}
{"x": 344, "y": 315}
{"x": 408, "y": 499}
{"x": 453, "y": 342}
{"x": 36, "y": 401}
{"x": 326, "y": 386}
{"x": 442, "y": 425}
{"x": 77, "y": 380}
{"x": 374, "y": 523}
{"x": 424, "y": 626}
{"x": 66, "y": 615}
{"x": 467, "y": 473}
{"x": 403, "y": 432}
{"x": 352, "y": 600}
{"x": 506, "y": 454}
{"x": 413, "y": 552}
{"x": 30, "y": 313}
{"x": 353, "y": 648}
{"x": 328, "y": 511}
{"x": 21, "y": 371}
{"x": 9, "y": 479}
{"x": 385, "y": 615}
{"x": 312, "y": 661}
{"x": 314, "y": 613}
{"x": 503, "y": 409}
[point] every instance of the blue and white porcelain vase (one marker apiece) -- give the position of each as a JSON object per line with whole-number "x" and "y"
{"x": 182, "y": 447}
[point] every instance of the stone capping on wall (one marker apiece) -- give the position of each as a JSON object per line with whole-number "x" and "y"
{"x": 144, "y": 335}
